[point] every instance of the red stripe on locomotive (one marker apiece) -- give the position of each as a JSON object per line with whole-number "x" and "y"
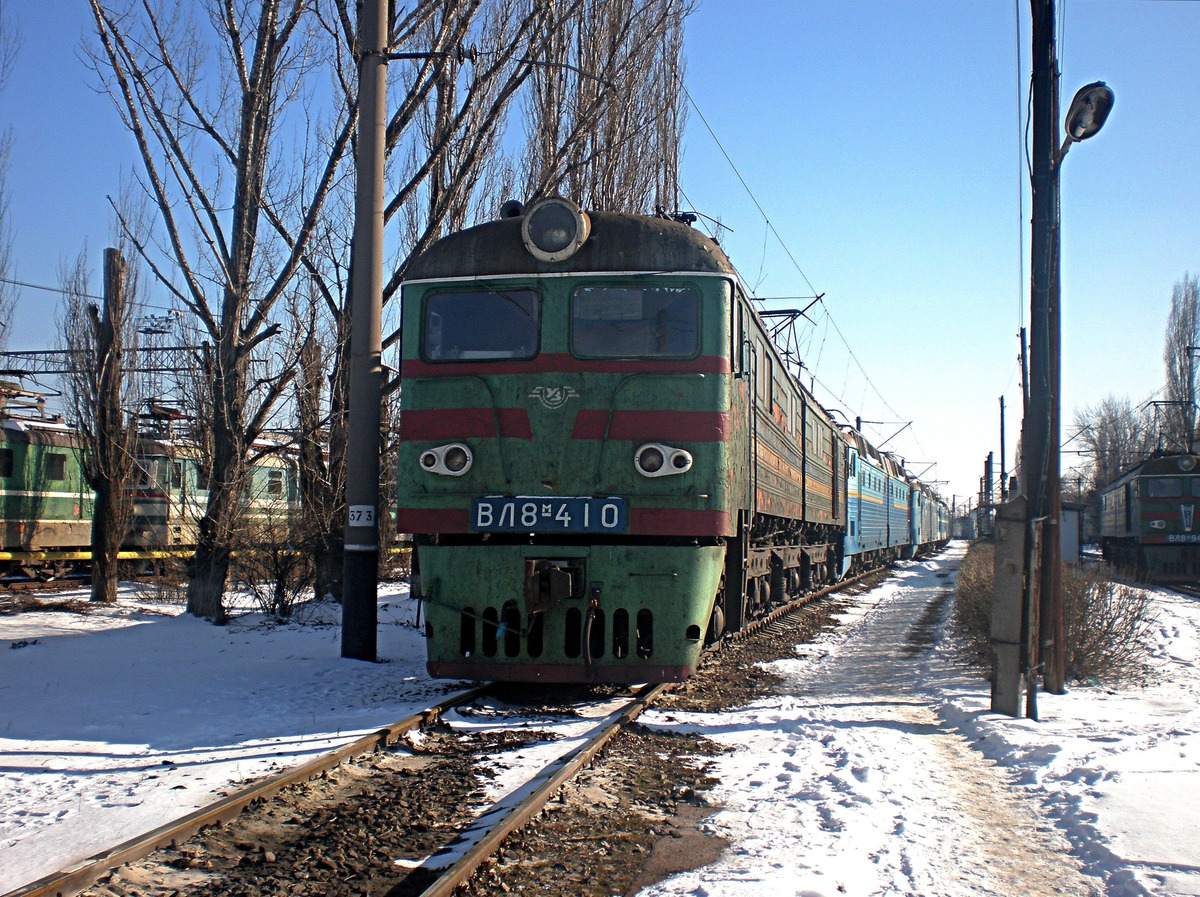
{"x": 565, "y": 364}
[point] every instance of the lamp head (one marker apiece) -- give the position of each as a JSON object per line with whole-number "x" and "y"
{"x": 1088, "y": 110}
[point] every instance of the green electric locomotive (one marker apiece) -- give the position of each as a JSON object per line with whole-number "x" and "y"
{"x": 1148, "y": 521}
{"x": 604, "y": 463}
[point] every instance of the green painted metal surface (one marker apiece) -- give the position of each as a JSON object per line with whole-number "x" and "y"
{"x": 467, "y": 589}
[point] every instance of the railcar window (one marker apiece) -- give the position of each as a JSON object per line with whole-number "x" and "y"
{"x": 635, "y": 322}
{"x": 1195, "y": 481}
{"x": 274, "y": 482}
{"x": 56, "y": 466}
{"x": 6, "y": 462}
{"x": 1164, "y": 487}
{"x": 768, "y": 382}
{"x": 480, "y": 325}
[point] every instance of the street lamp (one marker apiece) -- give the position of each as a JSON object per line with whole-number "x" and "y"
{"x": 1087, "y": 113}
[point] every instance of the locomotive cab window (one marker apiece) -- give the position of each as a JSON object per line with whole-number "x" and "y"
{"x": 635, "y": 322}
{"x": 6, "y": 463}
{"x": 480, "y": 325}
{"x": 56, "y": 466}
{"x": 147, "y": 474}
{"x": 1164, "y": 487}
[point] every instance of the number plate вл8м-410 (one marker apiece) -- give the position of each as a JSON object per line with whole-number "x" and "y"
{"x": 539, "y": 514}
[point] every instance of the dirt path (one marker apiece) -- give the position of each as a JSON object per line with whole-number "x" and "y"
{"x": 846, "y": 782}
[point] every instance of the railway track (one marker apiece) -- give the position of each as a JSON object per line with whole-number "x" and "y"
{"x": 470, "y": 842}
{"x": 1189, "y": 589}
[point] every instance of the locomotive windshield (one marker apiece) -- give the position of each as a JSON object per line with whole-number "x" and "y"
{"x": 1164, "y": 487}
{"x": 635, "y": 321}
{"x": 147, "y": 474}
{"x": 480, "y": 325}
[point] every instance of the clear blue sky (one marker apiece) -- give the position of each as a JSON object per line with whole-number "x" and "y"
{"x": 882, "y": 141}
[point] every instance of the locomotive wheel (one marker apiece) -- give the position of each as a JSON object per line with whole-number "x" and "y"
{"x": 51, "y": 571}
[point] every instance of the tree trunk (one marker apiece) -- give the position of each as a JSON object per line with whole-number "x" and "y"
{"x": 107, "y": 534}
{"x": 113, "y": 442}
{"x": 206, "y": 580}
{"x": 218, "y": 528}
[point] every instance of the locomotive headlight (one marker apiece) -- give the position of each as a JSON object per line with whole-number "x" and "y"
{"x": 457, "y": 458}
{"x": 451, "y": 460}
{"x": 657, "y": 460}
{"x": 1187, "y": 462}
{"x": 649, "y": 459}
{"x": 554, "y": 229}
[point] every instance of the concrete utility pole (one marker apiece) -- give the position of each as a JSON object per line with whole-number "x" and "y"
{"x": 360, "y": 569}
{"x": 1041, "y": 429}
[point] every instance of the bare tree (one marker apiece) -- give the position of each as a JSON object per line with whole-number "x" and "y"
{"x": 1115, "y": 435}
{"x": 8, "y": 295}
{"x": 607, "y": 110}
{"x": 319, "y": 493}
{"x": 250, "y": 178}
{"x": 1180, "y": 348}
{"x": 477, "y": 58}
{"x": 9, "y": 44}
{"x": 100, "y": 389}
{"x": 239, "y": 166}
{"x": 450, "y": 103}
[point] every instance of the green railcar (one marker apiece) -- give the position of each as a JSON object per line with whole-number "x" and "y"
{"x": 45, "y": 504}
{"x": 603, "y": 461}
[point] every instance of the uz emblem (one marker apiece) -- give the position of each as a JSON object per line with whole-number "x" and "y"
{"x": 553, "y": 397}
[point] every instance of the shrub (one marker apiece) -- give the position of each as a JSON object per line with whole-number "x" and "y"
{"x": 1108, "y": 625}
{"x": 973, "y": 602}
{"x": 274, "y": 564}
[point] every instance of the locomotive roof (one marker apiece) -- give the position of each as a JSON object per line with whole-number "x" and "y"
{"x": 1177, "y": 464}
{"x": 36, "y": 432}
{"x": 618, "y": 242}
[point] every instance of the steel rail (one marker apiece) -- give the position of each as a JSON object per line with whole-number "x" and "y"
{"x": 556, "y": 774}
{"x": 547, "y": 783}
{"x": 86, "y": 872}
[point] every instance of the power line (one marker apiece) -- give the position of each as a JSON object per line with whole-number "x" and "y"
{"x": 796, "y": 264}
{"x": 65, "y": 292}
{"x": 1020, "y": 175}
{"x": 749, "y": 192}
{"x": 59, "y": 290}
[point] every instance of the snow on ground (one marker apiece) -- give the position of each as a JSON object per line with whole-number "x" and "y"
{"x": 875, "y": 769}
{"x": 122, "y": 719}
